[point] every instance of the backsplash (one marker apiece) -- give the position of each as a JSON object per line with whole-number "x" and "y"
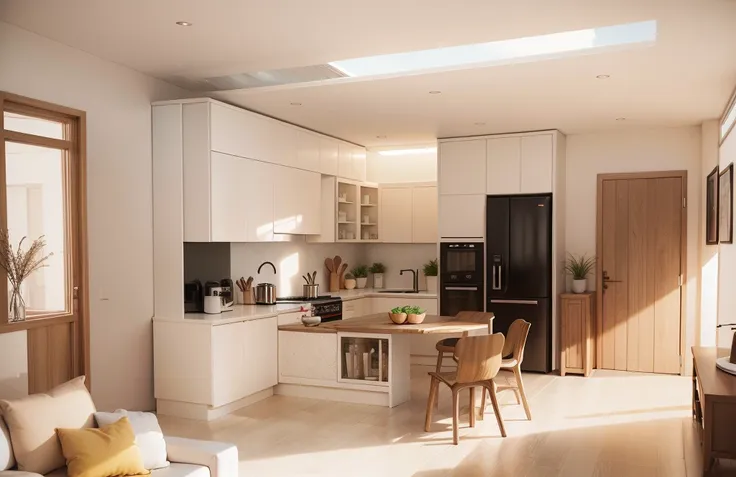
{"x": 206, "y": 261}
{"x": 396, "y": 256}
{"x": 292, "y": 260}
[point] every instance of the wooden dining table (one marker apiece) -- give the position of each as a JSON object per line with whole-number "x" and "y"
{"x": 380, "y": 323}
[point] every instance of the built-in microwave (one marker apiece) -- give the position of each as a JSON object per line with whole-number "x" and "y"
{"x": 461, "y": 262}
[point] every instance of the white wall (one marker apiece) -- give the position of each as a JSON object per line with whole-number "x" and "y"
{"x": 13, "y": 365}
{"x": 410, "y": 168}
{"x": 117, "y": 101}
{"x": 292, "y": 260}
{"x": 727, "y": 260}
{"x": 705, "y": 332}
{"x": 396, "y": 257}
{"x": 635, "y": 151}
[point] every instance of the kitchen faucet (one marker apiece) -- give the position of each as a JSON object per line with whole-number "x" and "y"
{"x": 415, "y": 279}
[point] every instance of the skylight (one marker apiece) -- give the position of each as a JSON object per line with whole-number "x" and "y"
{"x": 502, "y": 52}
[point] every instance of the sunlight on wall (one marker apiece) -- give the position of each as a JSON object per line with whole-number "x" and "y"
{"x": 709, "y": 302}
{"x": 288, "y": 268}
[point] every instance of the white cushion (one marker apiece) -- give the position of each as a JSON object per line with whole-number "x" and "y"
{"x": 182, "y": 470}
{"x": 23, "y": 473}
{"x": 148, "y": 435}
{"x": 7, "y": 460}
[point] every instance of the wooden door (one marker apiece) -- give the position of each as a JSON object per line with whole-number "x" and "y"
{"x": 641, "y": 265}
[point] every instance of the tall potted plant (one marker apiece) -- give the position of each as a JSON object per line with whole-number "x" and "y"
{"x": 430, "y": 272}
{"x": 579, "y": 267}
{"x": 361, "y": 275}
{"x": 378, "y": 269}
{"x": 18, "y": 265}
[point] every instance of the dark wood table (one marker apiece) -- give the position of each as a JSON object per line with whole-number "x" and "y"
{"x": 714, "y": 406}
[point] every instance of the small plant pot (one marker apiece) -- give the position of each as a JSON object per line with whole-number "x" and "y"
{"x": 415, "y": 319}
{"x": 579, "y": 286}
{"x": 349, "y": 283}
{"x": 432, "y": 284}
{"x": 378, "y": 280}
{"x": 362, "y": 281}
{"x": 398, "y": 318}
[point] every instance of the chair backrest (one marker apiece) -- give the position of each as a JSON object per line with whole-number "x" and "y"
{"x": 478, "y": 357}
{"x": 477, "y": 317}
{"x": 516, "y": 340}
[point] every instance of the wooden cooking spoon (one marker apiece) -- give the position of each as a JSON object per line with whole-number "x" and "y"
{"x": 336, "y": 261}
{"x": 330, "y": 264}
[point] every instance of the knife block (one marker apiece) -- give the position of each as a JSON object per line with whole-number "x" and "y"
{"x": 248, "y": 298}
{"x": 334, "y": 282}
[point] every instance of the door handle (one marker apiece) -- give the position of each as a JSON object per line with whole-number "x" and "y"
{"x": 496, "y": 279}
{"x": 607, "y": 280}
{"x": 461, "y": 288}
{"x": 516, "y": 302}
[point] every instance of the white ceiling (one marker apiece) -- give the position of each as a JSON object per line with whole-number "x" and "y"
{"x": 685, "y": 78}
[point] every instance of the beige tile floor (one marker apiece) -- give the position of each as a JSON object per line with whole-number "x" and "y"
{"x": 609, "y": 425}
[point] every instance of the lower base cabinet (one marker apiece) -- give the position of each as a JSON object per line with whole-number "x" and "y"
{"x": 577, "y": 333}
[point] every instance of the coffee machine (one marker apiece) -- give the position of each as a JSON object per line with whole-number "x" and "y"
{"x": 227, "y": 294}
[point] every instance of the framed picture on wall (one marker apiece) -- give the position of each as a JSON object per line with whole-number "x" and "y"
{"x": 711, "y": 208}
{"x": 725, "y": 205}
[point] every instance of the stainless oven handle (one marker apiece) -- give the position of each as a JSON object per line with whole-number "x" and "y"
{"x": 516, "y": 302}
{"x": 461, "y": 288}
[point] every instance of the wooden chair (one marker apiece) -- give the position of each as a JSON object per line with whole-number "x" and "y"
{"x": 478, "y": 362}
{"x": 513, "y": 356}
{"x": 447, "y": 345}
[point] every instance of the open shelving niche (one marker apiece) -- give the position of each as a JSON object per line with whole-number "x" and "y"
{"x": 369, "y": 210}
{"x": 364, "y": 359}
{"x": 353, "y": 209}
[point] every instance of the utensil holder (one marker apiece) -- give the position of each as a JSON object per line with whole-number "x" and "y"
{"x": 248, "y": 298}
{"x": 311, "y": 291}
{"x": 334, "y": 282}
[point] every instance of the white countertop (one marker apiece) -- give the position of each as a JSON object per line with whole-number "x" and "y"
{"x": 257, "y": 312}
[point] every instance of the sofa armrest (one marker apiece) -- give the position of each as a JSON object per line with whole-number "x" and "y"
{"x": 220, "y": 457}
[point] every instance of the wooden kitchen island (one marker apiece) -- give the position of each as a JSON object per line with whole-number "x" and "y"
{"x": 362, "y": 360}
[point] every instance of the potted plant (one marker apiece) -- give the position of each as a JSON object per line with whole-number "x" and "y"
{"x": 430, "y": 271}
{"x": 349, "y": 282}
{"x": 18, "y": 265}
{"x": 378, "y": 269}
{"x": 398, "y": 315}
{"x": 361, "y": 275}
{"x": 579, "y": 267}
{"x": 415, "y": 315}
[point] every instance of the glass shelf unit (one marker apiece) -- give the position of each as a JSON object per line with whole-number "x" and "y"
{"x": 364, "y": 360}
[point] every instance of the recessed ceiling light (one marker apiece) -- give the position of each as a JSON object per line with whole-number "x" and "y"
{"x": 435, "y": 92}
{"x": 603, "y": 76}
{"x": 620, "y": 119}
{"x": 184, "y": 23}
{"x": 407, "y": 152}
{"x": 295, "y": 104}
{"x": 480, "y": 124}
{"x": 381, "y": 137}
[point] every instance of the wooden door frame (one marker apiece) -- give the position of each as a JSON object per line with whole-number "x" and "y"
{"x": 77, "y": 121}
{"x": 599, "y": 251}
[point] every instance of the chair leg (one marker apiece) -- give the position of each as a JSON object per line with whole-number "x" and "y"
{"x": 496, "y": 409}
{"x": 438, "y": 369}
{"x": 471, "y": 413}
{"x": 482, "y": 402}
{"x": 455, "y": 414}
{"x": 520, "y": 385}
{"x": 516, "y": 395}
{"x": 433, "y": 388}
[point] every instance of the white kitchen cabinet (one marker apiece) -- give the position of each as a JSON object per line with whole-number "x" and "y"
{"x": 462, "y": 167}
{"x": 396, "y": 215}
{"x": 359, "y": 163}
{"x": 229, "y": 220}
{"x": 354, "y": 308}
{"x": 503, "y": 165}
{"x": 282, "y": 144}
{"x": 259, "y": 341}
{"x": 424, "y": 215}
{"x": 462, "y": 217}
{"x": 308, "y": 149}
{"x": 238, "y": 132}
{"x": 328, "y": 212}
{"x": 255, "y": 200}
{"x": 536, "y": 164}
{"x": 345, "y": 160}
{"x": 297, "y": 197}
{"x": 328, "y": 154}
{"x": 229, "y": 380}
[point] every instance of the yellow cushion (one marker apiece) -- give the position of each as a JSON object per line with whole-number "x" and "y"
{"x": 104, "y": 452}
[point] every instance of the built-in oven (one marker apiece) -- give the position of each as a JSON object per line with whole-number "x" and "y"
{"x": 461, "y": 277}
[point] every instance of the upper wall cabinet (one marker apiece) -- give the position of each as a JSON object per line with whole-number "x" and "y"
{"x": 409, "y": 213}
{"x": 503, "y": 165}
{"x": 307, "y": 151}
{"x": 537, "y": 158}
{"x": 462, "y": 167}
{"x": 296, "y": 202}
{"x": 328, "y": 152}
{"x": 520, "y": 164}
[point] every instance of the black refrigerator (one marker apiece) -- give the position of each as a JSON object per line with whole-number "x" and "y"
{"x": 519, "y": 271}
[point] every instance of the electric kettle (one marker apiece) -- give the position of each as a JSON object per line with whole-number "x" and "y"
{"x": 265, "y": 293}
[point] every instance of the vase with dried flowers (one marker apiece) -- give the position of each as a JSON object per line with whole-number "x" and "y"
{"x": 18, "y": 265}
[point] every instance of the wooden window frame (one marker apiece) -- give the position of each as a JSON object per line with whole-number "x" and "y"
{"x": 75, "y": 147}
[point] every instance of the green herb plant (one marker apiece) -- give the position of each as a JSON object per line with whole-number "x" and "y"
{"x": 378, "y": 267}
{"x": 361, "y": 271}
{"x": 430, "y": 268}
{"x": 579, "y": 267}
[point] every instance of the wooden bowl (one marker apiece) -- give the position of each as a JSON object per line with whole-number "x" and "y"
{"x": 415, "y": 319}
{"x": 398, "y": 318}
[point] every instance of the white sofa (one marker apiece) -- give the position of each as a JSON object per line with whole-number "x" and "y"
{"x": 188, "y": 457}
